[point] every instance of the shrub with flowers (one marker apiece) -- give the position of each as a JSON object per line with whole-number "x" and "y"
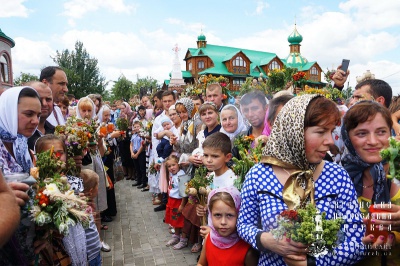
{"x": 330, "y": 93}
{"x": 250, "y": 85}
{"x": 56, "y": 207}
{"x": 310, "y": 227}
{"x": 299, "y": 79}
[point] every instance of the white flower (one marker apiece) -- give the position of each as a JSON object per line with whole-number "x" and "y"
{"x": 51, "y": 189}
{"x": 42, "y": 218}
{"x": 63, "y": 228}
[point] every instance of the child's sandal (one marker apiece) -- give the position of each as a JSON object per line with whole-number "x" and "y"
{"x": 173, "y": 241}
{"x": 196, "y": 248}
{"x": 182, "y": 244}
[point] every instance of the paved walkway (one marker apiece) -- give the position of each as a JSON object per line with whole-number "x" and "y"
{"x": 137, "y": 236}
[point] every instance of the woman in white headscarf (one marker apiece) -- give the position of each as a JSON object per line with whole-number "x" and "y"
{"x": 19, "y": 117}
{"x": 86, "y": 108}
{"x": 232, "y": 122}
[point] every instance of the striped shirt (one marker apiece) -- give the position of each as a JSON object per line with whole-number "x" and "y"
{"x": 93, "y": 244}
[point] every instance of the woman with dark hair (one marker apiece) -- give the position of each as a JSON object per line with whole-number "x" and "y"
{"x": 366, "y": 132}
{"x": 292, "y": 174}
{"x": 19, "y": 117}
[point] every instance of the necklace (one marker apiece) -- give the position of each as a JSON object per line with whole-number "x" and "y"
{"x": 368, "y": 186}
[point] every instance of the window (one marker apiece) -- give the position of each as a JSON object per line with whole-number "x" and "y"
{"x": 238, "y": 81}
{"x": 190, "y": 66}
{"x": 314, "y": 71}
{"x": 239, "y": 62}
{"x": 274, "y": 65}
{"x": 200, "y": 64}
{"x": 4, "y": 73}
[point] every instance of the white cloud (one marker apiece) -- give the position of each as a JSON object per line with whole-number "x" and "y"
{"x": 260, "y": 7}
{"x": 14, "y": 8}
{"x": 78, "y": 8}
{"x": 30, "y": 56}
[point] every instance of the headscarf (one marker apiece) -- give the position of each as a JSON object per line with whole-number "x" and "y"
{"x": 9, "y": 126}
{"x": 355, "y": 166}
{"x": 286, "y": 148}
{"x": 241, "y": 125}
{"x": 127, "y": 109}
{"x": 189, "y": 105}
{"x": 100, "y": 113}
{"x": 218, "y": 240}
{"x": 78, "y": 113}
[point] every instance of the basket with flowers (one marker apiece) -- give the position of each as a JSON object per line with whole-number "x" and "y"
{"x": 55, "y": 206}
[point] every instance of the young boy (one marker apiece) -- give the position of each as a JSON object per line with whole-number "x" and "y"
{"x": 216, "y": 155}
{"x": 138, "y": 154}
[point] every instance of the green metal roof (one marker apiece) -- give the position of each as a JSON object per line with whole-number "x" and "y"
{"x": 2, "y": 35}
{"x": 219, "y": 54}
{"x": 166, "y": 81}
{"x": 295, "y": 37}
{"x": 186, "y": 74}
{"x": 201, "y": 37}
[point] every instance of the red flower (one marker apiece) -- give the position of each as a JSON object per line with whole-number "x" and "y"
{"x": 223, "y": 84}
{"x": 290, "y": 214}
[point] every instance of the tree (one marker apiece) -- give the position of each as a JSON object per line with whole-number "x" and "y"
{"x": 24, "y": 78}
{"x": 147, "y": 84}
{"x": 348, "y": 92}
{"x": 122, "y": 89}
{"x": 82, "y": 71}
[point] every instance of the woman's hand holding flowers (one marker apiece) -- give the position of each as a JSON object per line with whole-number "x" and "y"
{"x": 19, "y": 190}
{"x": 285, "y": 247}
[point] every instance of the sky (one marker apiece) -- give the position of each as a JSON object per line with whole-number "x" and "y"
{"x": 135, "y": 37}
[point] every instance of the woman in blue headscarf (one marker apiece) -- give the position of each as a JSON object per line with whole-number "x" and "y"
{"x": 365, "y": 133}
{"x": 19, "y": 117}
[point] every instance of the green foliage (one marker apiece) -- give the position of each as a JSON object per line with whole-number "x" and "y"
{"x": 391, "y": 155}
{"x": 24, "y": 78}
{"x": 122, "y": 124}
{"x": 347, "y": 92}
{"x": 122, "y": 89}
{"x": 147, "y": 83}
{"x": 82, "y": 71}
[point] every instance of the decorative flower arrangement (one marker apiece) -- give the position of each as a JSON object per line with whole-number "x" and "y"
{"x": 198, "y": 188}
{"x": 210, "y": 79}
{"x": 193, "y": 90}
{"x": 310, "y": 227}
{"x": 248, "y": 158}
{"x": 77, "y": 134}
{"x": 299, "y": 79}
{"x": 56, "y": 207}
{"x": 330, "y": 93}
{"x": 392, "y": 155}
{"x": 279, "y": 78}
{"x": 250, "y": 85}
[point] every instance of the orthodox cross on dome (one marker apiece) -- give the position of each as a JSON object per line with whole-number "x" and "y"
{"x": 176, "y": 48}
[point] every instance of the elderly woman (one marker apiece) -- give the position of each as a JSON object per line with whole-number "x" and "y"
{"x": 365, "y": 132}
{"x": 19, "y": 116}
{"x": 232, "y": 122}
{"x": 292, "y": 173}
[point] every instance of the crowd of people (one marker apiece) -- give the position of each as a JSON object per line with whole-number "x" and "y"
{"x": 314, "y": 151}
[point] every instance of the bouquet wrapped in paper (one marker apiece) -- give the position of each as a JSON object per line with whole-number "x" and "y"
{"x": 310, "y": 227}
{"x": 198, "y": 189}
{"x": 56, "y": 207}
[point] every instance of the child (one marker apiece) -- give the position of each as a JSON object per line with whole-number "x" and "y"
{"x": 222, "y": 245}
{"x": 138, "y": 154}
{"x": 173, "y": 214}
{"x": 93, "y": 243}
{"x": 164, "y": 148}
{"x": 75, "y": 242}
{"x": 216, "y": 155}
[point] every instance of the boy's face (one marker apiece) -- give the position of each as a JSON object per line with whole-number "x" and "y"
{"x": 136, "y": 128}
{"x": 166, "y": 125}
{"x": 215, "y": 160}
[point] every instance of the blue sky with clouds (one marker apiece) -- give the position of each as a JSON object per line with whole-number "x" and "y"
{"x": 136, "y": 37}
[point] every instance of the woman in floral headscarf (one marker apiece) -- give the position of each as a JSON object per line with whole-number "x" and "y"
{"x": 292, "y": 173}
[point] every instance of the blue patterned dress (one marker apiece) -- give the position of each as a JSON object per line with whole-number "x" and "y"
{"x": 334, "y": 194}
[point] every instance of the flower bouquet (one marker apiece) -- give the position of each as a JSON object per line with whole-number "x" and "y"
{"x": 248, "y": 158}
{"x": 328, "y": 92}
{"x": 198, "y": 189}
{"x": 77, "y": 134}
{"x": 299, "y": 79}
{"x": 392, "y": 155}
{"x": 309, "y": 226}
{"x": 55, "y": 206}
